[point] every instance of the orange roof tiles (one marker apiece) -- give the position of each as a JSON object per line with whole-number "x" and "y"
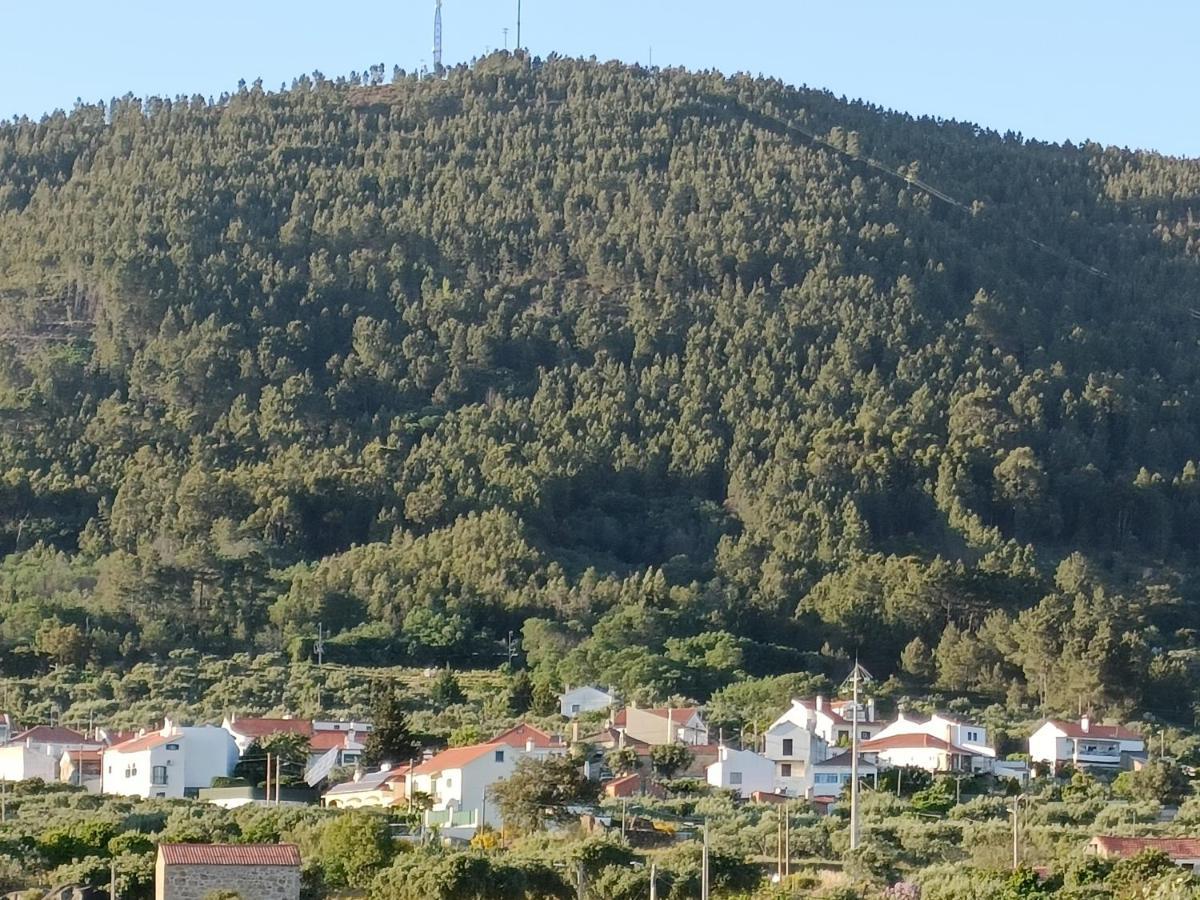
{"x": 457, "y": 757}
{"x": 519, "y": 735}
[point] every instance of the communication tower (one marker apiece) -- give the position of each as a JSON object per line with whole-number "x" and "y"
{"x": 437, "y": 37}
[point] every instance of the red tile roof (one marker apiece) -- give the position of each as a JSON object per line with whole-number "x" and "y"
{"x": 230, "y": 854}
{"x": 146, "y": 742}
{"x": 323, "y": 741}
{"x": 1095, "y": 730}
{"x": 1176, "y": 848}
{"x": 255, "y": 728}
{"x": 47, "y": 734}
{"x": 915, "y": 741}
{"x": 84, "y": 755}
{"x": 519, "y": 735}
{"x": 680, "y": 714}
{"x": 456, "y": 758}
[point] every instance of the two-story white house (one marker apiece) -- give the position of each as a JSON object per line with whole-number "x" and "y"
{"x": 458, "y": 781}
{"x": 969, "y": 740}
{"x": 171, "y": 762}
{"x": 833, "y": 721}
{"x": 584, "y": 698}
{"x": 1084, "y": 744}
{"x": 793, "y": 749}
{"x": 742, "y": 771}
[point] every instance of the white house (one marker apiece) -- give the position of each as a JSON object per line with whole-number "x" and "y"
{"x": 968, "y": 737}
{"x": 349, "y": 738}
{"x": 18, "y": 763}
{"x": 171, "y": 762}
{"x": 532, "y": 741}
{"x": 458, "y": 780}
{"x": 584, "y": 699}
{"x": 54, "y": 741}
{"x": 793, "y": 749}
{"x": 833, "y": 721}
{"x": 662, "y": 725}
{"x": 924, "y": 751}
{"x": 1084, "y": 744}
{"x": 742, "y": 771}
{"x": 830, "y": 776}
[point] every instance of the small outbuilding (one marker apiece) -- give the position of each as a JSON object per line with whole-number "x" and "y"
{"x": 254, "y": 871}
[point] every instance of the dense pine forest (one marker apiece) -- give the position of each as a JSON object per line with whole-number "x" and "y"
{"x": 682, "y": 378}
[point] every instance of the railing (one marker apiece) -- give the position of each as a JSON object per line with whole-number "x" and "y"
{"x": 447, "y": 818}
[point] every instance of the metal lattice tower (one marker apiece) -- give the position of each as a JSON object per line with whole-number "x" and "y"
{"x": 437, "y": 37}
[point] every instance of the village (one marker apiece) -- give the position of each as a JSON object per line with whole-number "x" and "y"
{"x": 818, "y": 754}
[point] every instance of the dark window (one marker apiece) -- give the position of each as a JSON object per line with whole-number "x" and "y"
{"x": 159, "y": 775}
{"x": 785, "y": 770}
{"x": 787, "y": 747}
{"x": 499, "y": 756}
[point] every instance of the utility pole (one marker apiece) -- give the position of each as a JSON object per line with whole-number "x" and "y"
{"x": 653, "y": 881}
{"x": 518, "y": 24}
{"x": 787, "y": 840}
{"x": 854, "y": 765}
{"x": 268, "y": 784}
{"x": 112, "y": 879}
{"x": 3, "y": 800}
{"x": 624, "y": 814}
{"x": 278, "y": 776}
{"x": 1016, "y": 856}
{"x": 581, "y": 881}
{"x": 704, "y": 865}
{"x": 320, "y": 645}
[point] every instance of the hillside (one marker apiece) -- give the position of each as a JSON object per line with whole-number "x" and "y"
{"x": 622, "y": 352}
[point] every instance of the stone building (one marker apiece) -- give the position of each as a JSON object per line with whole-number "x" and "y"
{"x": 254, "y": 871}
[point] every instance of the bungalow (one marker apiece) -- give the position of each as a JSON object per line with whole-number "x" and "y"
{"x": 831, "y": 775}
{"x": 833, "y": 721}
{"x": 662, "y": 725}
{"x": 458, "y": 781}
{"x": 584, "y": 699}
{"x": 1183, "y": 851}
{"x": 1085, "y": 744}
{"x": 376, "y": 789}
{"x": 742, "y": 771}
{"x": 793, "y": 748}
{"x": 533, "y": 741}
{"x": 952, "y": 731}
{"x": 924, "y": 751}
{"x": 171, "y": 762}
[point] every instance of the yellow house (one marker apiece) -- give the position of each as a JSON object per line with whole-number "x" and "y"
{"x": 387, "y": 787}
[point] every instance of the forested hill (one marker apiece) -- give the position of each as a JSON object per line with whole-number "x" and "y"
{"x": 620, "y": 351}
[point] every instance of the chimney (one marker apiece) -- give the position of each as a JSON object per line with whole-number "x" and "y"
{"x": 670, "y": 730}
{"x": 820, "y": 702}
{"x": 1085, "y": 723}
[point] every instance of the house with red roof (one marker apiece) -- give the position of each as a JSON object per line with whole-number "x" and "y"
{"x": 173, "y": 761}
{"x": 533, "y": 741}
{"x": 349, "y": 738}
{"x": 261, "y": 871}
{"x": 1183, "y": 851}
{"x": 919, "y": 749}
{"x": 458, "y": 780}
{"x": 1085, "y": 745}
{"x": 968, "y": 736}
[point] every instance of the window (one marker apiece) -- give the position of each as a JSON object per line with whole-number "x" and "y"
{"x": 172, "y": 746}
{"x": 574, "y": 707}
{"x": 158, "y": 775}
{"x": 160, "y": 793}
{"x": 500, "y": 756}
{"x": 864, "y": 735}
{"x": 972, "y": 736}
{"x": 131, "y": 771}
{"x": 785, "y": 770}
{"x": 735, "y": 777}
{"x": 787, "y": 747}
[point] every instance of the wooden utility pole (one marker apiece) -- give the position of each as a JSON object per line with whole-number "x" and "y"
{"x": 112, "y": 879}
{"x": 787, "y": 840}
{"x": 1016, "y": 848}
{"x": 268, "y": 784}
{"x": 581, "y": 881}
{"x": 704, "y": 865}
{"x": 278, "y": 776}
{"x": 653, "y": 881}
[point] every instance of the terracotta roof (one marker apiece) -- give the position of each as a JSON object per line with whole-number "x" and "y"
{"x": 84, "y": 755}
{"x": 519, "y": 735}
{"x": 680, "y": 714}
{"x": 1095, "y": 730}
{"x": 913, "y": 741}
{"x": 1174, "y": 847}
{"x": 146, "y": 742}
{"x": 47, "y": 734}
{"x": 323, "y": 741}
{"x": 612, "y": 735}
{"x": 230, "y": 854}
{"x": 456, "y": 758}
{"x": 254, "y": 728}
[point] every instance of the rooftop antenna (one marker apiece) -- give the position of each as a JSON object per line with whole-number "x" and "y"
{"x": 437, "y": 37}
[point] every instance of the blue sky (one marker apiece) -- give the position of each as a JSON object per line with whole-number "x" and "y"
{"x": 1116, "y": 72}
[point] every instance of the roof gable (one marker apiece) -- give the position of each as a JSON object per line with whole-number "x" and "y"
{"x": 520, "y": 735}
{"x": 457, "y": 757}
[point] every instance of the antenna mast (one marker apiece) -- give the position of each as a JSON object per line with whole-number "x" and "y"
{"x": 437, "y": 37}
{"x": 518, "y": 24}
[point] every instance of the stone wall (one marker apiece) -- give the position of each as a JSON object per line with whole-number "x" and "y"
{"x": 251, "y": 882}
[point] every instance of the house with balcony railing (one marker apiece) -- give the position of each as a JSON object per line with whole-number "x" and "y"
{"x": 1085, "y": 745}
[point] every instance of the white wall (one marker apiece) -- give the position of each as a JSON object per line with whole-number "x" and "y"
{"x": 741, "y": 771}
{"x": 1048, "y": 745}
{"x": 209, "y": 752}
{"x": 19, "y": 763}
{"x": 588, "y": 699}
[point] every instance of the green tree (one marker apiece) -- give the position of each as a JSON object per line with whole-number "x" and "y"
{"x": 540, "y": 790}
{"x": 353, "y": 848}
{"x": 669, "y": 759}
{"x": 390, "y": 739}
